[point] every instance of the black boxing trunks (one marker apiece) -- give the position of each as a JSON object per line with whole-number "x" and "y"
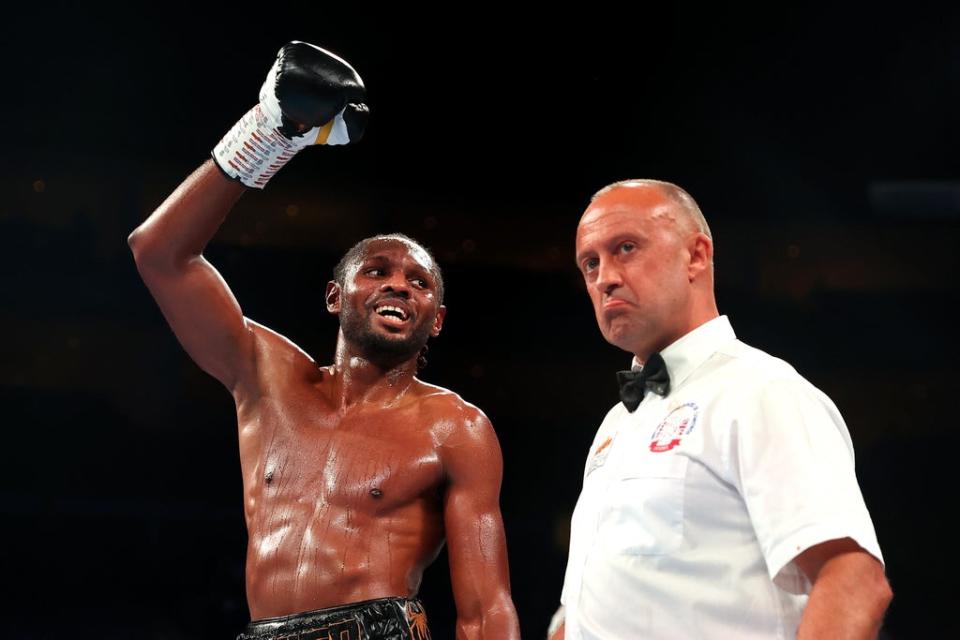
{"x": 381, "y": 619}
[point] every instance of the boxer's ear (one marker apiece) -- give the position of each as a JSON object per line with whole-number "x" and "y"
{"x": 438, "y": 321}
{"x": 333, "y": 297}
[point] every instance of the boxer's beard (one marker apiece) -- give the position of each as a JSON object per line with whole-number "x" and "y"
{"x": 378, "y": 346}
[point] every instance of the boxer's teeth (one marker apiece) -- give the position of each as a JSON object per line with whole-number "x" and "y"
{"x": 394, "y": 312}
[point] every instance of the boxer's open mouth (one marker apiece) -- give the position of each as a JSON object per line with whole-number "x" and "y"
{"x": 392, "y": 314}
{"x": 389, "y": 311}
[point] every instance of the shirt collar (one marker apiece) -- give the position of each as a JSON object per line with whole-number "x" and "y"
{"x": 684, "y": 355}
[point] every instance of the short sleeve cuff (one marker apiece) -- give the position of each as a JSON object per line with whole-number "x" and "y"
{"x": 788, "y": 576}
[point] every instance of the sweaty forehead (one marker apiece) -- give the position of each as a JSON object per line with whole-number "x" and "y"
{"x": 398, "y": 248}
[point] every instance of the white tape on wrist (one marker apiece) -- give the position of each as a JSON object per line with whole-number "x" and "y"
{"x": 253, "y": 150}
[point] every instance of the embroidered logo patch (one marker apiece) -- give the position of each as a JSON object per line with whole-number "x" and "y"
{"x": 599, "y": 456}
{"x": 603, "y": 445}
{"x": 674, "y": 427}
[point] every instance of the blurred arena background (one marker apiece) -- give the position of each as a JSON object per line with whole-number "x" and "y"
{"x": 820, "y": 144}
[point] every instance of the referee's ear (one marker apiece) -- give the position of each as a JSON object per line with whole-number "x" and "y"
{"x": 700, "y": 248}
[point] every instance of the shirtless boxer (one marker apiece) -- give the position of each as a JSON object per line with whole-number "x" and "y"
{"x": 353, "y": 473}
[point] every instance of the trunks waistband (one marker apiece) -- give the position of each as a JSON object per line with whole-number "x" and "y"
{"x": 380, "y": 619}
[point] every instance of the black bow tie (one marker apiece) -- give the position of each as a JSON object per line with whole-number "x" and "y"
{"x": 634, "y": 384}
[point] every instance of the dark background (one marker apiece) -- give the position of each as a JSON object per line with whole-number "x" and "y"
{"x": 821, "y": 145}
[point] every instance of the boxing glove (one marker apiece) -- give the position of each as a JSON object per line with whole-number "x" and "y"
{"x": 310, "y": 97}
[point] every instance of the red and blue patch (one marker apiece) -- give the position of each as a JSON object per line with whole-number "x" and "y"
{"x": 678, "y": 424}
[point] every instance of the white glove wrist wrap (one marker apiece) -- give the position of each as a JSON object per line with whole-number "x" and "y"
{"x": 253, "y": 150}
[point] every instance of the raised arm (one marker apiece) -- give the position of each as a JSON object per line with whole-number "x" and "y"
{"x": 194, "y": 299}
{"x": 309, "y": 97}
{"x": 475, "y": 538}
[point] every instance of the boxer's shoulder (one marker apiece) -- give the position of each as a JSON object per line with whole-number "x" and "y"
{"x": 447, "y": 403}
{"x": 453, "y": 420}
{"x": 278, "y": 367}
{"x": 275, "y": 350}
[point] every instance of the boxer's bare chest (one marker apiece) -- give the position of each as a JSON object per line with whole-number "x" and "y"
{"x": 298, "y": 450}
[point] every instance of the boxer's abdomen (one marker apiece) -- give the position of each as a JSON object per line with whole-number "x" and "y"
{"x": 340, "y": 556}
{"x": 337, "y": 516}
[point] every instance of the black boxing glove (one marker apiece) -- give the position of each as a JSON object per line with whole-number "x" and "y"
{"x": 310, "y": 97}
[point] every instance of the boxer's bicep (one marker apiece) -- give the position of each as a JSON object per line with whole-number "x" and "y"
{"x": 205, "y": 316}
{"x": 192, "y": 295}
{"x": 476, "y": 542}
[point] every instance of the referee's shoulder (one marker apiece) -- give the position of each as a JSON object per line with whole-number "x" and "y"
{"x": 755, "y": 369}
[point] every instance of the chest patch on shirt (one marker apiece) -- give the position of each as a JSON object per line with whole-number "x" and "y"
{"x": 599, "y": 455}
{"x": 678, "y": 423}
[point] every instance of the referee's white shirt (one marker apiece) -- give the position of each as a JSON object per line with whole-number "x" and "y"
{"x": 694, "y": 506}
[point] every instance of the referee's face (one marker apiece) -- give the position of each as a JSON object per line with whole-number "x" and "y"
{"x": 632, "y": 253}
